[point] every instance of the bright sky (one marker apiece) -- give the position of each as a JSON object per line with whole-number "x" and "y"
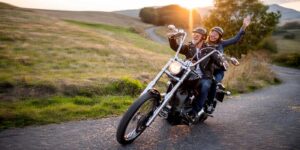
{"x": 112, "y": 5}
{"x": 293, "y": 5}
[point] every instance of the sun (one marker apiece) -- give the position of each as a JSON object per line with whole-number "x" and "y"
{"x": 191, "y": 4}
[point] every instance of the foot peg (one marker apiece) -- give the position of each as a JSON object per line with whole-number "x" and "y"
{"x": 164, "y": 112}
{"x": 209, "y": 115}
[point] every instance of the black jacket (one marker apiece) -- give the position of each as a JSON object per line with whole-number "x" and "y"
{"x": 208, "y": 65}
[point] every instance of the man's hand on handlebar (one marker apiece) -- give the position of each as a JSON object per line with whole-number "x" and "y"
{"x": 174, "y": 32}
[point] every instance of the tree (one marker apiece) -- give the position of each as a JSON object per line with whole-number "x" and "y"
{"x": 229, "y": 15}
{"x": 149, "y": 15}
{"x": 171, "y": 14}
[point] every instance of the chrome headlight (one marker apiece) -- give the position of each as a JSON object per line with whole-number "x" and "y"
{"x": 174, "y": 68}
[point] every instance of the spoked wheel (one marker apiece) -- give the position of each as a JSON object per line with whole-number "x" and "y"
{"x": 134, "y": 120}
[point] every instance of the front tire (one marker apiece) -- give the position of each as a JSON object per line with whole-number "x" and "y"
{"x": 136, "y": 116}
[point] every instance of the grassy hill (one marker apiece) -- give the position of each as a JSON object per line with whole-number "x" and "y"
{"x": 48, "y": 62}
{"x": 38, "y": 49}
{"x": 110, "y": 18}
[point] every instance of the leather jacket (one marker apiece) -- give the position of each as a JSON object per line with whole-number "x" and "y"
{"x": 207, "y": 66}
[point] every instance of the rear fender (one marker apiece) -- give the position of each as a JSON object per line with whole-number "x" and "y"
{"x": 220, "y": 92}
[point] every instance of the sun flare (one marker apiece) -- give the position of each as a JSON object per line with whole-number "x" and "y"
{"x": 190, "y": 4}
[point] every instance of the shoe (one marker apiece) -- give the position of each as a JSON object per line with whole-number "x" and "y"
{"x": 199, "y": 113}
{"x": 210, "y": 109}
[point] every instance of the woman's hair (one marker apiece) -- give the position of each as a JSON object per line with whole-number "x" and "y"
{"x": 220, "y": 31}
{"x": 211, "y": 42}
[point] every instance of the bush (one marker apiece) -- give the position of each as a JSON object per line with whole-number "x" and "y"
{"x": 279, "y": 31}
{"x": 289, "y": 36}
{"x": 126, "y": 86}
{"x": 291, "y": 25}
{"x": 252, "y": 73}
{"x": 288, "y": 59}
{"x": 269, "y": 44}
{"x": 149, "y": 15}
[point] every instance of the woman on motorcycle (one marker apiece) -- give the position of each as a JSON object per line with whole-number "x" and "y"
{"x": 215, "y": 39}
{"x": 194, "y": 51}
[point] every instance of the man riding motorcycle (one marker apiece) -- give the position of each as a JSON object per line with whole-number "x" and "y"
{"x": 194, "y": 51}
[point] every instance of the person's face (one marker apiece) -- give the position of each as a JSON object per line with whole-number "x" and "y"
{"x": 197, "y": 37}
{"x": 213, "y": 36}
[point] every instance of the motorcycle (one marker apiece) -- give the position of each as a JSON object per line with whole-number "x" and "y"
{"x": 174, "y": 104}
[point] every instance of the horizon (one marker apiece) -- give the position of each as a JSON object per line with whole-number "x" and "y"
{"x": 108, "y": 6}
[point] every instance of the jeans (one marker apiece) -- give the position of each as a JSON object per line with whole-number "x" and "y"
{"x": 204, "y": 87}
{"x": 219, "y": 74}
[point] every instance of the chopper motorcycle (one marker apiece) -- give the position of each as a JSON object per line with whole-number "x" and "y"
{"x": 174, "y": 104}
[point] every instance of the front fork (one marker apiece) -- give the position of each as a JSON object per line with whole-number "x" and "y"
{"x": 167, "y": 98}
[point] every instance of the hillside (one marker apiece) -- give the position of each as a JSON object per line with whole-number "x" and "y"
{"x": 287, "y": 15}
{"x": 95, "y": 17}
{"x": 40, "y": 52}
{"x": 131, "y": 12}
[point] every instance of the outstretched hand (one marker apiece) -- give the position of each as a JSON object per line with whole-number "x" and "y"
{"x": 246, "y": 22}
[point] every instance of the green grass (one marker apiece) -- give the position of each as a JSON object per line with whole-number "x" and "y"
{"x": 36, "y": 49}
{"x": 126, "y": 34}
{"x": 288, "y": 50}
{"x": 287, "y": 59}
{"x": 58, "y": 109}
{"x": 55, "y": 70}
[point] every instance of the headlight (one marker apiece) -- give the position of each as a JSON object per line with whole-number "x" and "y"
{"x": 174, "y": 68}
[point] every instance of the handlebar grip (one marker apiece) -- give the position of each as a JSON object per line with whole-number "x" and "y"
{"x": 178, "y": 34}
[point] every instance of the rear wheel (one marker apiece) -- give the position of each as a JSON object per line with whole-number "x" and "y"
{"x": 133, "y": 123}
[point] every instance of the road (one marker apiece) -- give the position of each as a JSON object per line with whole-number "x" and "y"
{"x": 265, "y": 119}
{"x": 153, "y": 36}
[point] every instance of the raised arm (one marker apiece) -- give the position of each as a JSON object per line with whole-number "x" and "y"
{"x": 234, "y": 39}
{"x": 239, "y": 35}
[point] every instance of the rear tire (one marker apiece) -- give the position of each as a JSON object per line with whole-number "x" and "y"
{"x": 140, "y": 111}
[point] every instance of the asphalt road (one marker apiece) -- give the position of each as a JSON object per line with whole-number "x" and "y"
{"x": 265, "y": 119}
{"x": 153, "y": 36}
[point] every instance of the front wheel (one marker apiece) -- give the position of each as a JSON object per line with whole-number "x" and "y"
{"x": 134, "y": 120}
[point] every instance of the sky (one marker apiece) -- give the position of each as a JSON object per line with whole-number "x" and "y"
{"x": 113, "y": 5}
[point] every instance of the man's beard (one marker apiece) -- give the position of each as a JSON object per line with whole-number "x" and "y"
{"x": 195, "y": 42}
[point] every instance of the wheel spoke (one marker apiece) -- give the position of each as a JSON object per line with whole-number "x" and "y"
{"x": 137, "y": 123}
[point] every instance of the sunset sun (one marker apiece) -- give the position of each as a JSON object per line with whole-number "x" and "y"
{"x": 190, "y": 4}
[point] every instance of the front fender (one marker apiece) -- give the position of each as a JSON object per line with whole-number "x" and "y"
{"x": 156, "y": 94}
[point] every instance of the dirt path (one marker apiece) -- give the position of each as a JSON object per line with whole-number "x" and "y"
{"x": 266, "y": 119}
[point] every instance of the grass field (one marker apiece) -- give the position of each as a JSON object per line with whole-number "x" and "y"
{"x": 48, "y": 59}
{"x": 288, "y": 49}
{"x": 54, "y": 70}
